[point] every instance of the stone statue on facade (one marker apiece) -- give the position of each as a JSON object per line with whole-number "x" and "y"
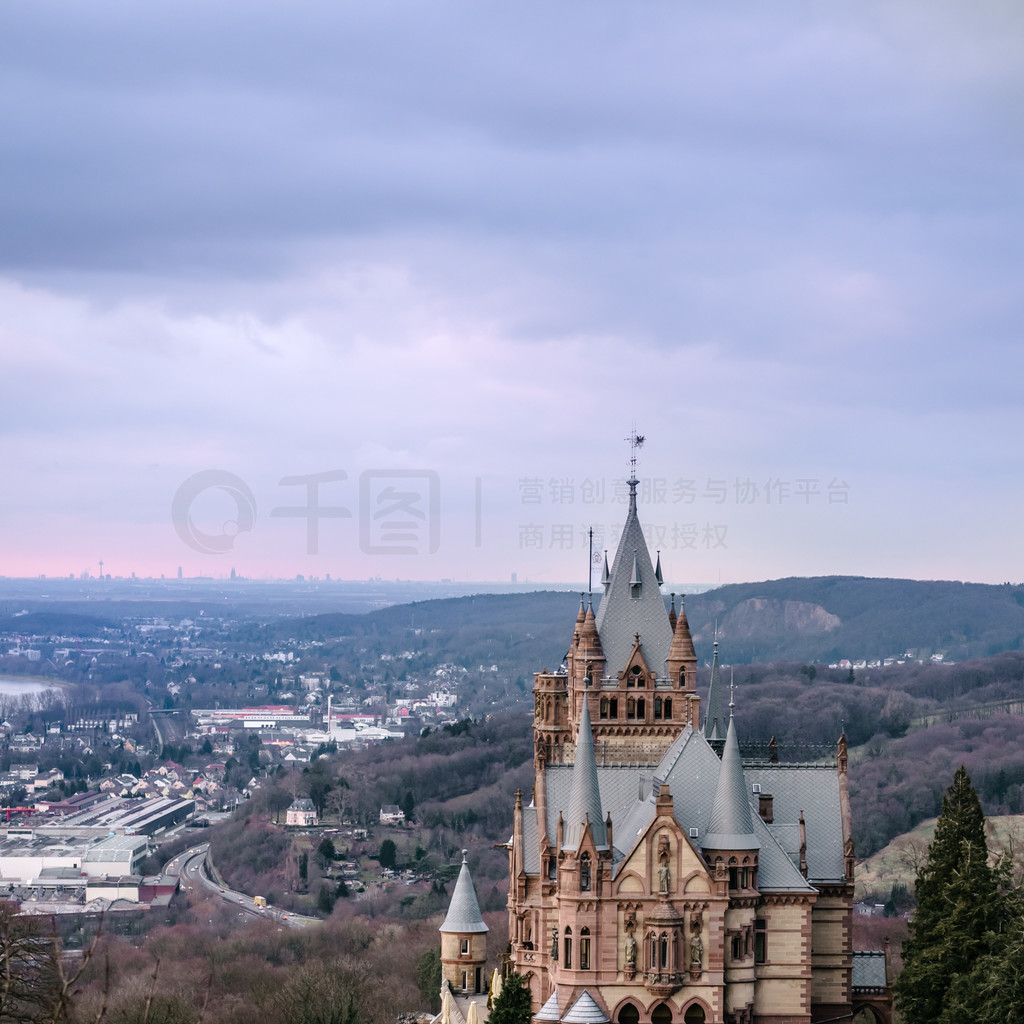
{"x": 696, "y": 946}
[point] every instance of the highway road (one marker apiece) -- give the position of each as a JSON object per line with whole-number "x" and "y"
{"x": 190, "y": 866}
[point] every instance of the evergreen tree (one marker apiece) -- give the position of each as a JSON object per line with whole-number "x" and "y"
{"x": 959, "y": 909}
{"x": 388, "y": 854}
{"x": 512, "y": 1005}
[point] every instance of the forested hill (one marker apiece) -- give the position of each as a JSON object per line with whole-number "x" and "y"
{"x": 825, "y": 618}
{"x": 819, "y": 619}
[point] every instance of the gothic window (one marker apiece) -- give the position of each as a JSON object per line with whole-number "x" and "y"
{"x": 682, "y": 678}
{"x": 640, "y": 708}
{"x": 613, "y": 707}
{"x": 737, "y": 949}
{"x": 629, "y": 1014}
{"x": 585, "y": 873}
{"x": 734, "y": 874}
{"x": 760, "y": 941}
{"x": 663, "y": 952}
{"x": 657, "y": 707}
{"x": 668, "y": 714}
{"x": 630, "y": 709}
{"x": 567, "y": 961}
{"x": 604, "y": 707}
{"x": 661, "y": 1014}
{"x": 654, "y": 952}
{"x": 694, "y": 1015}
{"x": 636, "y": 676}
{"x": 584, "y": 949}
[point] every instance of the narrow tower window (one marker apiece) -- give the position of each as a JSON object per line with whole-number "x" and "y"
{"x": 584, "y": 949}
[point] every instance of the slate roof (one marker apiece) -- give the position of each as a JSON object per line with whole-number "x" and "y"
{"x": 585, "y": 796}
{"x": 585, "y": 1011}
{"x": 868, "y": 969}
{"x": 731, "y": 826}
{"x": 549, "y": 1011}
{"x": 691, "y": 768}
{"x": 715, "y": 722}
{"x": 813, "y": 789}
{"x": 626, "y": 611}
{"x": 464, "y": 910}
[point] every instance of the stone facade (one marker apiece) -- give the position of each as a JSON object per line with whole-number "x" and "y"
{"x": 654, "y": 876}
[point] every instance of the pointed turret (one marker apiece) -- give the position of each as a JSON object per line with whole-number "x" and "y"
{"x": 584, "y": 794}
{"x": 715, "y": 725}
{"x": 632, "y": 602}
{"x": 606, "y": 576}
{"x": 657, "y": 571}
{"x": 731, "y": 826}
{"x": 681, "y": 663}
{"x": 672, "y": 611}
{"x": 464, "y": 937}
{"x": 464, "y": 910}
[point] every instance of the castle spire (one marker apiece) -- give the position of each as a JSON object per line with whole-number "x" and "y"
{"x": 464, "y": 911}
{"x": 731, "y": 826}
{"x": 584, "y": 794}
{"x": 715, "y": 725}
{"x": 632, "y": 602}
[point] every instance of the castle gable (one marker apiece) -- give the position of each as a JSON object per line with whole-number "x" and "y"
{"x": 662, "y": 841}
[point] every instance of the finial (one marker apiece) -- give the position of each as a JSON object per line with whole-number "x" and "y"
{"x": 464, "y": 852}
{"x": 673, "y": 596}
{"x": 636, "y": 442}
{"x": 732, "y": 691}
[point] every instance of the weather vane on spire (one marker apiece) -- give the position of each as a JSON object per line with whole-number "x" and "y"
{"x": 636, "y": 442}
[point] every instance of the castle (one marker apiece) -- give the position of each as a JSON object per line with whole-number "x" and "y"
{"x": 657, "y": 877}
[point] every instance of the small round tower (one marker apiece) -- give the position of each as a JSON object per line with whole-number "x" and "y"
{"x": 464, "y": 938}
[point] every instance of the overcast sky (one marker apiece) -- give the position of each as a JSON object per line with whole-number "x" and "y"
{"x": 429, "y": 265}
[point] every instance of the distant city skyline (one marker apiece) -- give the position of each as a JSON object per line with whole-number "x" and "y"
{"x": 424, "y": 271}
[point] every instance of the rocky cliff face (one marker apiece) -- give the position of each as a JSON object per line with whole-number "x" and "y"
{"x": 759, "y": 617}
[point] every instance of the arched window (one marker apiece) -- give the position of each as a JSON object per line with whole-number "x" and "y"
{"x": 640, "y": 709}
{"x": 584, "y": 949}
{"x": 604, "y": 707}
{"x": 661, "y": 1014}
{"x": 657, "y": 707}
{"x": 694, "y": 1015}
{"x": 613, "y": 708}
{"x": 585, "y": 873}
{"x": 629, "y": 1014}
{"x": 630, "y": 709}
{"x": 567, "y": 961}
{"x": 682, "y": 678}
{"x": 663, "y": 952}
{"x": 668, "y": 707}
{"x": 654, "y": 952}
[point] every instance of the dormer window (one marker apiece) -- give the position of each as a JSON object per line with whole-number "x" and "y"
{"x": 585, "y": 873}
